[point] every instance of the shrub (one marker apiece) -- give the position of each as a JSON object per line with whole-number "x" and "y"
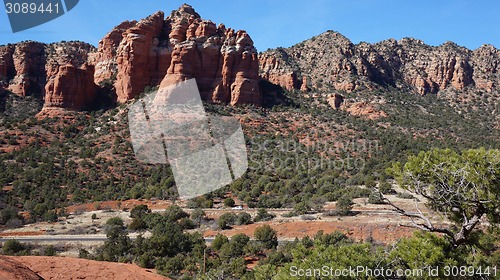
{"x": 139, "y": 211}
{"x": 386, "y": 188}
{"x": 12, "y": 247}
{"x": 229, "y": 202}
{"x": 49, "y": 251}
{"x": 8, "y": 214}
{"x": 370, "y": 182}
{"x": 263, "y": 215}
{"x": 137, "y": 224}
{"x": 243, "y": 218}
{"x": 219, "y": 240}
{"x": 198, "y": 216}
{"x": 187, "y": 223}
{"x": 115, "y": 221}
{"x": 266, "y": 235}
{"x": 301, "y": 208}
{"x": 226, "y": 220}
{"x": 344, "y": 205}
{"x": 376, "y": 198}
{"x": 175, "y": 213}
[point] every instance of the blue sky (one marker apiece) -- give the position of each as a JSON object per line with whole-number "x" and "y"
{"x": 273, "y": 23}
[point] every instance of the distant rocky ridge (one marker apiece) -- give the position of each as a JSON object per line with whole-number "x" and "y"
{"x": 134, "y": 56}
{"x": 330, "y": 61}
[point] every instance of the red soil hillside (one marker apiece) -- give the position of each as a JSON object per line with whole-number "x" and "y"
{"x": 61, "y": 268}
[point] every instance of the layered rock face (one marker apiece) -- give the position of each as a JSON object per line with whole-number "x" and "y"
{"x": 55, "y": 72}
{"x": 70, "y": 87}
{"x": 70, "y": 79}
{"x": 134, "y": 56}
{"x": 137, "y": 57}
{"x": 23, "y": 67}
{"x": 183, "y": 46}
{"x": 105, "y": 57}
{"x": 278, "y": 69}
{"x": 331, "y": 61}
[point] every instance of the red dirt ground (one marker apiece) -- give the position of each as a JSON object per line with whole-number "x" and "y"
{"x": 61, "y": 268}
{"x": 24, "y": 233}
{"x": 118, "y": 205}
{"x": 383, "y": 233}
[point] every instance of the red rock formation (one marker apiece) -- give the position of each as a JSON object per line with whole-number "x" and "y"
{"x": 305, "y": 84}
{"x": 56, "y": 72}
{"x": 335, "y": 101}
{"x": 61, "y": 268}
{"x": 486, "y": 64}
{"x": 137, "y": 57}
{"x": 105, "y": 57}
{"x": 69, "y": 87}
{"x": 29, "y": 64}
{"x": 7, "y": 68}
{"x": 275, "y": 69}
{"x": 10, "y": 269}
{"x": 223, "y": 62}
{"x": 362, "y": 109}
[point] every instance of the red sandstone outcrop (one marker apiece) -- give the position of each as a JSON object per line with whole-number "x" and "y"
{"x": 105, "y": 57}
{"x": 70, "y": 87}
{"x": 10, "y": 269}
{"x": 275, "y": 68}
{"x": 364, "y": 109}
{"x": 61, "y": 268}
{"x": 7, "y": 68}
{"x": 56, "y": 72}
{"x": 28, "y": 61}
{"x": 223, "y": 62}
{"x": 136, "y": 55}
{"x": 69, "y": 78}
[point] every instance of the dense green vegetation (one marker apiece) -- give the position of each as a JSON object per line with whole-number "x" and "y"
{"x": 181, "y": 255}
{"x": 302, "y": 154}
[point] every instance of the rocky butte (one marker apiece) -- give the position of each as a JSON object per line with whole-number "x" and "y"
{"x": 331, "y": 62}
{"x": 160, "y": 51}
{"x": 136, "y": 55}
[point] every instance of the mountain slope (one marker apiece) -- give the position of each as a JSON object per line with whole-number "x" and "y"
{"x": 330, "y": 61}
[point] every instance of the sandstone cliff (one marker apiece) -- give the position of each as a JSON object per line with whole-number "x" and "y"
{"x": 134, "y": 56}
{"x": 23, "y": 65}
{"x": 57, "y": 72}
{"x": 162, "y": 51}
{"x": 330, "y": 61}
{"x": 69, "y": 78}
